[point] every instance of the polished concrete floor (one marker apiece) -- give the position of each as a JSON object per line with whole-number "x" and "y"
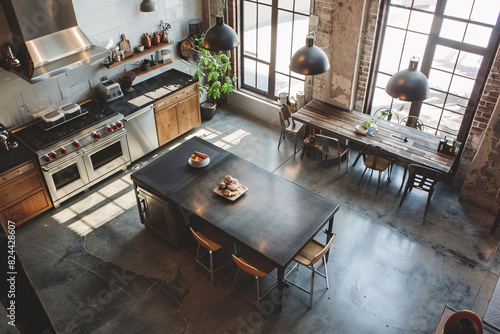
{"x": 391, "y": 270}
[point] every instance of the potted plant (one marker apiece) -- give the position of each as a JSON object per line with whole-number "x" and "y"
{"x": 213, "y": 70}
{"x": 365, "y": 127}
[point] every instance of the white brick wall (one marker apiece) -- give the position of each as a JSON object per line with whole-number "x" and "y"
{"x": 103, "y": 21}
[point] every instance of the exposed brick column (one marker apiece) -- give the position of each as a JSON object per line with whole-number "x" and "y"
{"x": 480, "y": 122}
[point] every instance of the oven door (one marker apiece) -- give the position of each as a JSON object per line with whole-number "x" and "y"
{"x": 65, "y": 177}
{"x": 107, "y": 156}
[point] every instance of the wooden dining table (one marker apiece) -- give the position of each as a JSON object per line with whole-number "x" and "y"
{"x": 274, "y": 217}
{"x": 404, "y": 143}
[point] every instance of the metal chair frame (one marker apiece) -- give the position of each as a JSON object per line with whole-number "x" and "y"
{"x": 423, "y": 178}
{"x": 288, "y": 125}
{"x": 375, "y": 153}
{"x": 340, "y": 149}
{"x": 413, "y": 122}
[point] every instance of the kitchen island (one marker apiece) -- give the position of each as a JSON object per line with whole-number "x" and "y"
{"x": 274, "y": 218}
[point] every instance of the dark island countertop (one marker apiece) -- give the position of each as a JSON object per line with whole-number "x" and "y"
{"x": 15, "y": 157}
{"x": 172, "y": 80}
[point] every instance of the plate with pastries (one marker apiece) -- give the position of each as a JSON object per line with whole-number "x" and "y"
{"x": 230, "y": 188}
{"x": 198, "y": 160}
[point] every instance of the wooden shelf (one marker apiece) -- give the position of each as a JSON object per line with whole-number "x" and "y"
{"x": 152, "y": 68}
{"x": 140, "y": 54}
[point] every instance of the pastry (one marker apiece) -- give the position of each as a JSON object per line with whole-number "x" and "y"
{"x": 222, "y": 186}
{"x": 228, "y": 179}
{"x": 232, "y": 187}
{"x": 235, "y": 182}
{"x": 229, "y": 193}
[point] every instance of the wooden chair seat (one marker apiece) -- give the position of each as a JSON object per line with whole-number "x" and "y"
{"x": 376, "y": 158}
{"x": 210, "y": 238}
{"x": 253, "y": 264}
{"x": 380, "y": 164}
{"x": 309, "y": 255}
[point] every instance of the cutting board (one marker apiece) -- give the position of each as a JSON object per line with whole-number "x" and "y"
{"x": 125, "y": 47}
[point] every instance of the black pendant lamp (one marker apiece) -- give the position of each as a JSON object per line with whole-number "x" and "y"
{"x": 220, "y": 36}
{"x": 148, "y": 6}
{"x": 409, "y": 84}
{"x": 309, "y": 59}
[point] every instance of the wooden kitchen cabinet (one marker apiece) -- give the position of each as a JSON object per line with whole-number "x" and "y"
{"x": 177, "y": 113}
{"x": 23, "y": 193}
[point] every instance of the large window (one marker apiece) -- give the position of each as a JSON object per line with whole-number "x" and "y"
{"x": 272, "y": 31}
{"x": 455, "y": 41}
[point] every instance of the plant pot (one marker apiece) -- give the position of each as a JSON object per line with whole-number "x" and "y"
{"x": 208, "y": 110}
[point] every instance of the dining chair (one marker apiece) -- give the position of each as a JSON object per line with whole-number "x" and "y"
{"x": 376, "y": 158}
{"x": 497, "y": 218}
{"x": 413, "y": 122}
{"x": 308, "y": 257}
{"x": 331, "y": 146}
{"x": 256, "y": 266}
{"x": 212, "y": 241}
{"x": 423, "y": 178}
{"x": 288, "y": 126}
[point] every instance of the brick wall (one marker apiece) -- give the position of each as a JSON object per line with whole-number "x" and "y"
{"x": 487, "y": 103}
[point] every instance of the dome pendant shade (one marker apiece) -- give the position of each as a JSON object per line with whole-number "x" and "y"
{"x": 409, "y": 85}
{"x": 148, "y": 6}
{"x": 309, "y": 59}
{"x": 220, "y": 36}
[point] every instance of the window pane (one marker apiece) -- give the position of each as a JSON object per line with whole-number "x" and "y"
{"x": 300, "y": 26}
{"x": 460, "y": 9}
{"x": 303, "y": 6}
{"x": 430, "y": 116}
{"x": 380, "y": 100}
{"x": 453, "y": 30}
{"x": 486, "y": 11}
{"x": 285, "y": 4}
{"x": 427, "y": 5}
{"x": 264, "y": 33}
{"x": 398, "y": 17}
{"x": 420, "y": 22}
{"x": 439, "y": 79}
{"x": 414, "y": 46}
{"x": 456, "y": 104}
{"x": 468, "y": 64}
{"x": 382, "y": 80}
{"x": 267, "y": 2}
{"x": 391, "y": 50}
{"x": 450, "y": 122}
{"x": 284, "y": 42}
{"x": 477, "y": 35}
{"x": 436, "y": 98}
{"x": 250, "y": 70}
{"x": 406, "y": 3}
{"x": 296, "y": 86}
{"x": 250, "y": 33}
{"x": 445, "y": 58}
{"x": 281, "y": 84}
{"x": 262, "y": 77}
{"x": 461, "y": 86}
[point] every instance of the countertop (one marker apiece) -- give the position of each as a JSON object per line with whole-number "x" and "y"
{"x": 15, "y": 157}
{"x": 172, "y": 80}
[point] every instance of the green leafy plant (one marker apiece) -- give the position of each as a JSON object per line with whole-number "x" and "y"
{"x": 367, "y": 124}
{"x": 214, "y": 67}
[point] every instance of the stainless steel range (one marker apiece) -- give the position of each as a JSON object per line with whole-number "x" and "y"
{"x": 80, "y": 152}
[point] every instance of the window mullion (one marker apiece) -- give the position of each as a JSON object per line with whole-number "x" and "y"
{"x": 274, "y": 39}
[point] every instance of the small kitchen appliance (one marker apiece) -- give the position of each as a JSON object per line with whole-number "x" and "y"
{"x": 109, "y": 90}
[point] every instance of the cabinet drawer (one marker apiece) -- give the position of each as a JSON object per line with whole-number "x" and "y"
{"x": 26, "y": 209}
{"x": 176, "y": 97}
{"x": 13, "y": 173}
{"x": 21, "y": 187}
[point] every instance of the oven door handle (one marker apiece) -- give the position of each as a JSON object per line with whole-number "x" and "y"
{"x": 46, "y": 169}
{"x": 102, "y": 143}
{"x": 143, "y": 206}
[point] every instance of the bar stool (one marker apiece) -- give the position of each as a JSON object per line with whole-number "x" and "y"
{"x": 308, "y": 257}
{"x": 212, "y": 241}
{"x": 256, "y": 266}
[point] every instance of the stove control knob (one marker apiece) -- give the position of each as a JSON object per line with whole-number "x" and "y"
{"x": 119, "y": 124}
{"x": 46, "y": 158}
{"x": 76, "y": 144}
{"x": 109, "y": 129}
{"x": 114, "y": 127}
{"x": 96, "y": 135}
{"x": 63, "y": 150}
{"x": 53, "y": 155}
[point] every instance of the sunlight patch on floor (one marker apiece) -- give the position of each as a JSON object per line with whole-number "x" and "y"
{"x": 88, "y": 202}
{"x": 235, "y": 137}
{"x": 96, "y": 219}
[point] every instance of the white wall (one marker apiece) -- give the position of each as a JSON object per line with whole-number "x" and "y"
{"x": 103, "y": 21}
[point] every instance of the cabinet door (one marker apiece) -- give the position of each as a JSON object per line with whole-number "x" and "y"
{"x": 166, "y": 124}
{"x": 188, "y": 113}
{"x": 19, "y": 189}
{"x": 26, "y": 209}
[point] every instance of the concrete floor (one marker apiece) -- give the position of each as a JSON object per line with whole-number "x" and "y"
{"x": 391, "y": 270}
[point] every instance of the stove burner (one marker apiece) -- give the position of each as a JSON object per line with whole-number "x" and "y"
{"x": 38, "y": 138}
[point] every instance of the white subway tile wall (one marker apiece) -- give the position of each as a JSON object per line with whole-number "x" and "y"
{"x": 103, "y": 21}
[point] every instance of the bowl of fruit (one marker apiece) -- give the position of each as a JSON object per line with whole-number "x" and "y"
{"x": 198, "y": 160}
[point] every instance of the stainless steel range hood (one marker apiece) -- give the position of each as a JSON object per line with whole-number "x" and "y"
{"x": 46, "y": 38}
